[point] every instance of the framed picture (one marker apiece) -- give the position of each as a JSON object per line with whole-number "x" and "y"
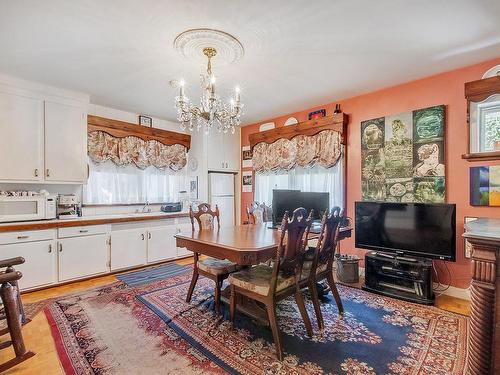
{"x": 246, "y": 157}
{"x": 317, "y": 114}
{"x": 247, "y": 182}
{"x": 145, "y": 121}
{"x": 467, "y": 245}
{"x": 193, "y": 187}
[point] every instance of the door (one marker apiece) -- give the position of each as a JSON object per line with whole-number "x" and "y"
{"x": 40, "y": 266}
{"x": 21, "y": 140}
{"x": 128, "y": 248}
{"x": 232, "y": 151}
{"x": 161, "y": 243}
{"x": 83, "y": 256}
{"x": 215, "y": 150}
{"x": 226, "y": 209}
{"x": 65, "y": 143}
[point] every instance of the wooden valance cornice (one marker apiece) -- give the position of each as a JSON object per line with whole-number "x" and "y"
{"x": 121, "y": 129}
{"x": 477, "y": 91}
{"x": 337, "y": 122}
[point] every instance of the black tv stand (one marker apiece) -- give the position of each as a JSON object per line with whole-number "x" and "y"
{"x": 400, "y": 277}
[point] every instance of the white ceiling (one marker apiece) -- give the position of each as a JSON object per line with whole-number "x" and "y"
{"x": 297, "y": 53}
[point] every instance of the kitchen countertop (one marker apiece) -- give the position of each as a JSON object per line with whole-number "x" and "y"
{"x": 88, "y": 220}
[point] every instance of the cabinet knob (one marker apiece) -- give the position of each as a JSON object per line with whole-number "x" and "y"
{"x": 50, "y": 248}
{"x": 60, "y": 247}
{"x": 222, "y": 164}
{"x": 149, "y": 235}
{"x": 36, "y": 172}
{"x": 226, "y": 165}
{"x": 22, "y": 237}
{"x": 47, "y": 173}
{"x": 142, "y": 236}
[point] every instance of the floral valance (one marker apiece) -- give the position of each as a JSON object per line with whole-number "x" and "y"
{"x": 127, "y": 150}
{"x": 322, "y": 149}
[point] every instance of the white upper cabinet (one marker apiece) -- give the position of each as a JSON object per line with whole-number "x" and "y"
{"x": 43, "y": 134}
{"x": 21, "y": 138}
{"x": 223, "y": 151}
{"x": 65, "y": 143}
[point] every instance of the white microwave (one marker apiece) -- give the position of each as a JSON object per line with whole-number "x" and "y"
{"x": 38, "y": 207}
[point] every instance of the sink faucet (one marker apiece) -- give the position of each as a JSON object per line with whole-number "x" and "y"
{"x": 145, "y": 208}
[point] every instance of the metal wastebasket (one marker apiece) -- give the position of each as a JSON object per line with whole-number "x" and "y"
{"x": 348, "y": 268}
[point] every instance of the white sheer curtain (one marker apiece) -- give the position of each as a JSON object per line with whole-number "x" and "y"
{"x": 315, "y": 179}
{"x": 112, "y": 184}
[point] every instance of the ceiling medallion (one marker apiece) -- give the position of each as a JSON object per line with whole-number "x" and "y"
{"x": 214, "y": 46}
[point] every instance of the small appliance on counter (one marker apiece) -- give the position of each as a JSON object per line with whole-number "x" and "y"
{"x": 68, "y": 207}
{"x": 172, "y": 207}
{"x": 26, "y": 206}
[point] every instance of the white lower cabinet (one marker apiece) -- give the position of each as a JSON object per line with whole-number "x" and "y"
{"x": 83, "y": 256}
{"x": 184, "y": 227}
{"x": 128, "y": 248}
{"x": 40, "y": 266}
{"x": 161, "y": 243}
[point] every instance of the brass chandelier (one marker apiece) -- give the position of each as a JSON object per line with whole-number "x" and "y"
{"x": 212, "y": 111}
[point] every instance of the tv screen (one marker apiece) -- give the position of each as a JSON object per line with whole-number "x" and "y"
{"x": 289, "y": 200}
{"x": 419, "y": 229}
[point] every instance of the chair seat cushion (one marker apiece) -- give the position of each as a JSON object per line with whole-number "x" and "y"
{"x": 216, "y": 266}
{"x": 258, "y": 279}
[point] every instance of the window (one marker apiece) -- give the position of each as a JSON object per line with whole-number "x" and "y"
{"x": 489, "y": 114}
{"x": 316, "y": 179}
{"x": 112, "y": 184}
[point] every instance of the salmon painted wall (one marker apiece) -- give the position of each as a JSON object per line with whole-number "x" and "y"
{"x": 445, "y": 88}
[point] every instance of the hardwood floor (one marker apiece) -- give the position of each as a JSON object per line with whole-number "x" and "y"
{"x": 39, "y": 339}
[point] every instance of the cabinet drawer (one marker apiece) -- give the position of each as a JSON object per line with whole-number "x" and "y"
{"x": 27, "y": 236}
{"x": 87, "y": 230}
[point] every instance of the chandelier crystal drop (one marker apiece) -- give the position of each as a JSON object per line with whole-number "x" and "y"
{"x": 212, "y": 111}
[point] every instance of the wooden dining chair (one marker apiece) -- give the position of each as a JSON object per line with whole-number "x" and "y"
{"x": 215, "y": 269}
{"x": 267, "y": 284}
{"x": 255, "y": 213}
{"x": 12, "y": 312}
{"x": 318, "y": 262}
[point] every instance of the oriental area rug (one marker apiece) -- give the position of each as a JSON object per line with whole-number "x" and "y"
{"x": 150, "y": 329}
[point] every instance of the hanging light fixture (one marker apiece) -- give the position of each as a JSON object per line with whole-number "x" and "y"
{"x": 212, "y": 111}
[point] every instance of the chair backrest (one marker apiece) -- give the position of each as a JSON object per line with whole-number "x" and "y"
{"x": 328, "y": 236}
{"x": 255, "y": 214}
{"x": 205, "y": 217}
{"x": 292, "y": 244}
{"x": 267, "y": 213}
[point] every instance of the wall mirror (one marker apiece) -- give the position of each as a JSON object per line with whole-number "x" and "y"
{"x": 483, "y": 113}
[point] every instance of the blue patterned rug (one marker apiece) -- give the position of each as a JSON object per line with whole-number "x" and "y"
{"x": 376, "y": 335}
{"x": 153, "y": 274}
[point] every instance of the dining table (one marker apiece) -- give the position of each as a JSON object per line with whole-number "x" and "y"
{"x": 245, "y": 245}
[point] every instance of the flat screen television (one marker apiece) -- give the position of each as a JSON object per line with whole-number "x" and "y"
{"x": 289, "y": 200}
{"x": 419, "y": 229}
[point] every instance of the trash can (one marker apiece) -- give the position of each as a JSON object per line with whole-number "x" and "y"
{"x": 348, "y": 268}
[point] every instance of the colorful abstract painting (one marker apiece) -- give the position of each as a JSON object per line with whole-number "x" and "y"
{"x": 485, "y": 186}
{"x": 403, "y": 158}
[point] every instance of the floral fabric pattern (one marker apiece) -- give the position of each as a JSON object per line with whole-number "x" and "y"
{"x": 323, "y": 148}
{"x": 128, "y": 150}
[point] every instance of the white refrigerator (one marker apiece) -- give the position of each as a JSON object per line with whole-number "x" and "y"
{"x": 221, "y": 190}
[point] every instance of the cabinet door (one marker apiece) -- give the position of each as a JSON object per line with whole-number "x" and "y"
{"x": 215, "y": 150}
{"x": 40, "y": 266}
{"x": 232, "y": 151}
{"x": 21, "y": 139}
{"x": 82, "y": 256}
{"x": 128, "y": 248}
{"x": 161, "y": 243}
{"x": 184, "y": 227}
{"x": 65, "y": 143}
